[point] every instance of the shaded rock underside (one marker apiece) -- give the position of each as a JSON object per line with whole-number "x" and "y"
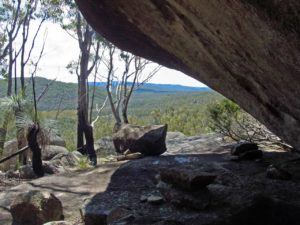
{"x": 248, "y": 50}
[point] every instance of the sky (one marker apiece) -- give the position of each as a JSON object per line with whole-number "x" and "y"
{"x": 61, "y": 49}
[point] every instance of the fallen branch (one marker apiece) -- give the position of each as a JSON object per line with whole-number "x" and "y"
{"x": 14, "y": 154}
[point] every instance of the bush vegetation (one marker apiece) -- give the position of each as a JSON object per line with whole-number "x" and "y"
{"x": 227, "y": 118}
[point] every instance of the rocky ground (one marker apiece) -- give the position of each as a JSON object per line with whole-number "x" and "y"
{"x": 136, "y": 192}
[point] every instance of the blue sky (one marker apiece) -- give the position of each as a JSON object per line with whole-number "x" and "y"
{"x": 61, "y": 48}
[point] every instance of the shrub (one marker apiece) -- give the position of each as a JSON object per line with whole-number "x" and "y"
{"x": 228, "y": 119}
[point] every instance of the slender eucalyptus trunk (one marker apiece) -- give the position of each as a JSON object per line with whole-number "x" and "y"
{"x": 81, "y": 113}
{"x": 93, "y": 99}
{"x": 124, "y": 112}
{"x": 10, "y": 68}
{"x": 83, "y": 125}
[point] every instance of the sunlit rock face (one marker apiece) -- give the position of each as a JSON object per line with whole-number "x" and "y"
{"x": 248, "y": 50}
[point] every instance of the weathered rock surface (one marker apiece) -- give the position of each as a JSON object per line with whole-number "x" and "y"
{"x": 186, "y": 178}
{"x": 71, "y": 189}
{"x": 11, "y": 147}
{"x": 56, "y": 140}
{"x": 199, "y": 200}
{"x": 240, "y": 193}
{"x": 36, "y": 208}
{"x": 247, "y": 50}
{"x": 50, "y": 151}
{"x": 147, "y": 140}
{"x": 202, "y": 144}
{"x": 26, "y": 172}
{"x": 174, "y": 135}
{"x": 274, "y": 172}
{"x": 69, "y": 159}
{"x": 104, "y": 145}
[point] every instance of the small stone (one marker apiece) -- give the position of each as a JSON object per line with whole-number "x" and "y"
{"x": 50, "y": 151}
{"x": 143, "y": 198}
{"x": 278, "y": 173}
{"x": 243, "y": 147}
{"x": 51, "y": 168}
{"x": 163, "y": 185}
{"x": 155, "y": 199}
{"x": 58, "y": 223}
{"x": 12, "y": 174}
{"x": 26, "y": 172}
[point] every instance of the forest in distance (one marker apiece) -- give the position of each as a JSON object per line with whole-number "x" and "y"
{"x": 183, "y": 110}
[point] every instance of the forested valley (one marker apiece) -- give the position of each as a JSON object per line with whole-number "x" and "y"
{"x": 184, "y": 111}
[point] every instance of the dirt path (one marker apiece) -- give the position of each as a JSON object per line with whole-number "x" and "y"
{"x": 71, "y": 188}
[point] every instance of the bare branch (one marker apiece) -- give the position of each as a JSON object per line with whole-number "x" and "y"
{"x": 99, "y": 111}
{"x": 79, "y": 31}
{"x": 95, "y": 59}
{"x": 45, "y": 90}
{"x": 34, "y": 39}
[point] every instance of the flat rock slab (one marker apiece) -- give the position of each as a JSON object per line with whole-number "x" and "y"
{"x": 71, "y": 188}
{"x": 110, "y": 187}
{"x": 233, "y": 198}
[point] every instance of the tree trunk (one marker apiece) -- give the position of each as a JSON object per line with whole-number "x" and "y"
{"x": 80, "y": 141}
{"x": 88, "y": 132}
{"x": 82, "y": 112}
{"x": 37, "y": 164}
{"x": 124, "y": 115}
{"x": 93, "y": 99}
{"x": 83, "y": 127}
{"x": 10, "y": 68}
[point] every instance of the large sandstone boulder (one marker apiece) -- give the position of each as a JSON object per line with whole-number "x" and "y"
{"x": 148, "y": 140}
{"x": 104, "y": 145}
{"x": 36, "y": 208}
{"x": 50, "y": 151}
{"x": 56, "y": 140}
{"x": 248, "y": 50}
{"x": 9, "y": 148}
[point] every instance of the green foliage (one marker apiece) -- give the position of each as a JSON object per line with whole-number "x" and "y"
{"x": 230, "y": 120}
{"x": 83, "y": 163}
{"x": 182, "y": 111}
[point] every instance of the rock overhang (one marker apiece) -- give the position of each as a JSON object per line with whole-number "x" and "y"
{"x": 247, "y": 50}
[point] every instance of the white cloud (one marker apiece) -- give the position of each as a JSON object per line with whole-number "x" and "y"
{"x": 61, "y": 49}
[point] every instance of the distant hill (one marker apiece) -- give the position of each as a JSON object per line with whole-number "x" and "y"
{"x": 157, "y": 88}
{"x": 144, "y": 99}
